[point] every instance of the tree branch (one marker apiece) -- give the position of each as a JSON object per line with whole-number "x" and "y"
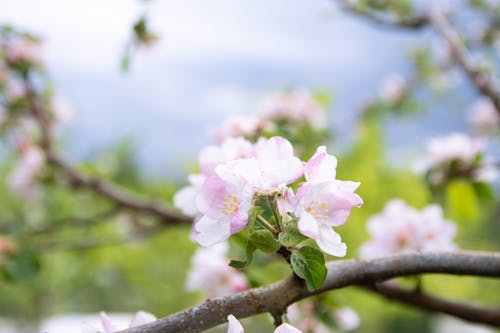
{"x": 410, "y": 23}
{"x": 77, "y": 179}
{"x": 429, "y": 302}
{"x": 459, "y": 53}
{"x": 276, "y": 297}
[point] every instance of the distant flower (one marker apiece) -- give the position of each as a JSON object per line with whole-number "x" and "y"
{"x": 347, "y": 319}
{"x": 456, "y": 155}
{"x": 296, "y": 106}
{"x": 211, "y": 273}
{"x": 323, "y": 202}
{"x": 392, "y": 88}
{"x": 401, "y": 228}
{"x": 31, "y": 161}
{"x": 483, "y": 117}
{"x": 24, "y": 49}
{"x": 235, "y": 327}
{"x": 63, "y": 112}
{"x": 241, "y": 126}
{"x": 140, "y": 318}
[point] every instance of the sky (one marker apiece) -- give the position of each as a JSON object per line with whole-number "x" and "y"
{"x": 214, "y": 58}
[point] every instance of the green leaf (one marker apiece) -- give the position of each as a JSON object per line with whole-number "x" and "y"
{"x": 461, "y": 200}
{"x": 290, "y": 235}
{"x": 309, "y": 264}
{"x": 24, "y": 266}
{"x": 483, "y": 190}
{"x": 242, "y": 264}
{"x": 264, "y": 240}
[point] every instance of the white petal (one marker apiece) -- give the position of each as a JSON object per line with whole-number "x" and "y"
{"x": 234, "y": 325}
{"x": 330, "y": 242}
{"x": 141, "y": 318}
{"x": 286, "y": 328}
{"x": 208, "y": 231}
{"x": 308, "y": 226}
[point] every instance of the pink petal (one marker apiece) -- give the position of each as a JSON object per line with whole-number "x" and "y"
{"x": 107, "y": 324}
{"x": 321, "y": 167}
{"x": 208, "y": 231}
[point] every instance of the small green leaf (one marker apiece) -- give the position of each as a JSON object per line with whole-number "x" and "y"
{"x": 290, "y": 235}
{"x": 309, "y": 264}
{"x": 483, "y": 190}
{"x": 24, "y": 266}
{"x": 461, "y": 200}
{"x": 242, "y": 264}
{"x": 264, "y": 240}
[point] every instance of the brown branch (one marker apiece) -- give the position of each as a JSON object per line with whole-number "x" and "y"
{"x": 77, "y": 179}
{"x": 429, "y": 302}
{"x": 410, "y": 23}
{"x": 459, "y": 53}
{"x": 276, "y": 297}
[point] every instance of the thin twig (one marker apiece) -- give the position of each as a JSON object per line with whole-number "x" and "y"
{"x": 278, "y": 296}
{"x": 460, "y": 54}
{"x": 429, "y": 302}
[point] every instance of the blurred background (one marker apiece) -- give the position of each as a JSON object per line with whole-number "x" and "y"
{"x": 140, "y": 115}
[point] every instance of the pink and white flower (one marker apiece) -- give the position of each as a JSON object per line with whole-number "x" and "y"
{"x": 392, "y": 88}
{"x": 346, "y": 319}
{"x": 211, "y": 273}
{"x": 234, "y": 326}
{"x": 23, "y": 49}
{"x": 32, "y": 160}
{"x": 401, "y": 228}
{"x": 298, "y": 106}
{"x": 460, "y": 152}
{"x": 139, "y": 318}
{"x": 324, "y": 202}
{"x": 240, "y": 126}
{"x": 483, "y": 117}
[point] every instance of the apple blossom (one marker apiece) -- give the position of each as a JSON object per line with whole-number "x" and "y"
{"x": 401, "y": 228}
{"x": 484, "y": 117}
{"x": 456, "y": 155}
{"x": 392, "y": 88}
{"x": 240, "y": 126}
{"x": 324, "y": 202}
{"x": 211, "y": 273}
{"x": 23, "y": 48}
{"x": 139, "y": 318}
{"x": 298, "y": 106}
{"x": 346, "y": 319}
{"x": 31, "y": 162}
{"x": 234, "y": 326}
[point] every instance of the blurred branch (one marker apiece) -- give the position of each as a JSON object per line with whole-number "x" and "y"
{"x": 77, "y": 179}
{"x": 424, "y": 301}
{"x": 411, "y": 23}
{"x": 459, "y": 53}
{"x": 278, "y": 296}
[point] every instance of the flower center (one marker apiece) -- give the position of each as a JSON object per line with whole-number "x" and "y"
{"x": 318, "y": 210}
{"x": 230, "y": 204}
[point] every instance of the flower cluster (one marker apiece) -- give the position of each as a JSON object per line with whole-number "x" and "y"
{"x": 235, "y": 327}
{"x": 28, "y": 166}
{"x": 456, "y": 156}
{"x": 484, "y": 118}
{"x": 237, "y": 174}
{"x": 210, "y": 273}
{"x": 140, "y": 318}
{"x": 304, "y": 315}
{"x": 286, "y": 111}
{"x": 401, "y": 228}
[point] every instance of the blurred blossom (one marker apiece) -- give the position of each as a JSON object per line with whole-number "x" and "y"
{"x": 446, "y": 324}
{"x": 401, "y": 228}
{"x": 211, "y": 273}
{"x": 63, "y": 112}
{"x": 241, "y": 126}
{"x": 23, "y": 49}
{"x": 456, "y": 155}
{"x": 234, "y": 326}
{"x": 3, "y": 115}
{"x": 347, "y": 319}
{"x": 304, "y": 316}
{"x": 30, "y": 163}
{"x": 392, "y": 88}
{"x": 16, "y": 89}
{"x": 296, "y": 106}
{"x": 484, "y": 117}
{"x": 139, "y": 318}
